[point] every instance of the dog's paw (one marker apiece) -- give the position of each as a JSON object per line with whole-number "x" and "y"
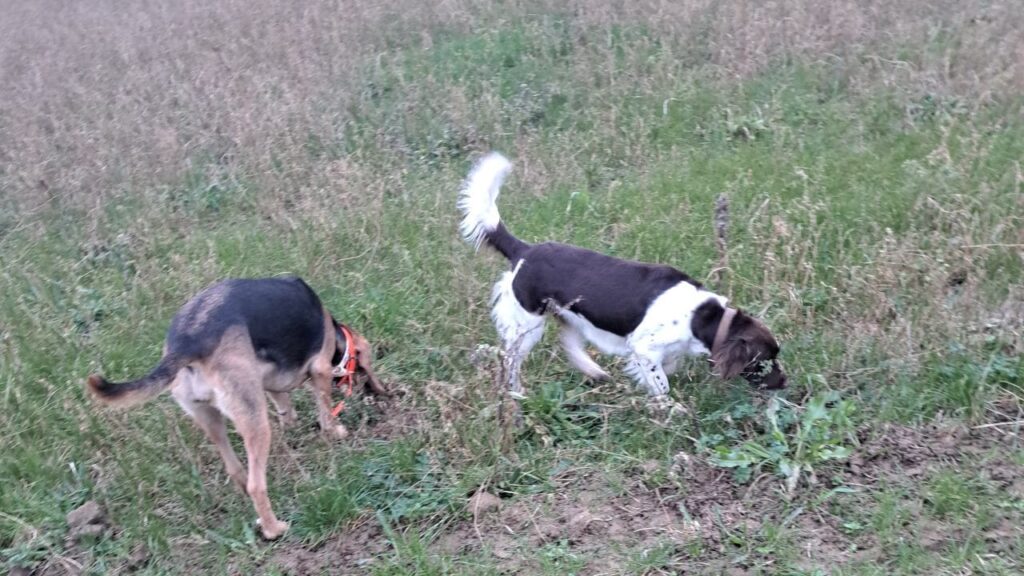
{"x": 274, "y": 531}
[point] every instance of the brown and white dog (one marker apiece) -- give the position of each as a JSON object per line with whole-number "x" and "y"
{"x": 229, "y": 347}
{"x": 650, "y": 313}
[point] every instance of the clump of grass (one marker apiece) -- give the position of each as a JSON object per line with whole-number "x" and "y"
{"x": 796, "y": 441}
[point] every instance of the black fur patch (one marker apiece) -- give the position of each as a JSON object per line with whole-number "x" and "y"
{"x": 704, "y": 323}
{"x": 505, "y": 243}
{"x": 283, "y": 316}
{"x": 611, "y": 293}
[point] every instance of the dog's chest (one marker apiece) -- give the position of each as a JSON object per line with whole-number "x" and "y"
{"x": 666, "y": 326}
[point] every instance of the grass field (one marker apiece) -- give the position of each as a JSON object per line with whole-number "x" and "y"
{"x": 871, "y": 154}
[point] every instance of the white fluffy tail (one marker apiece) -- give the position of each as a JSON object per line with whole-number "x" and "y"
{"x": 478, "y": 196}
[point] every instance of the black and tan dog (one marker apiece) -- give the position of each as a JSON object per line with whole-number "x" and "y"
{"x": 231, "y": 343}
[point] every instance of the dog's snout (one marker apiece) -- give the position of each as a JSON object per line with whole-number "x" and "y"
{"x": 775, "y": 381}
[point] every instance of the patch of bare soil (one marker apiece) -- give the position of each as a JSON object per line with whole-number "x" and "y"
{"x": 701, "y": 504}
{"x": 728, "y": 517}
{"x": 707, "y": 520}
{"x": 350, "y": 553}
{"x": 592, "y": 522}
{"x": 86, "y": 525}
{"x": 897, "y": 453}
{"x": 386, "y": 418}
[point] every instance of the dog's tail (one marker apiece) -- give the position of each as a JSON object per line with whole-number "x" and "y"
{"x": 481, "y": 222}
{"x": 125, "y": 394}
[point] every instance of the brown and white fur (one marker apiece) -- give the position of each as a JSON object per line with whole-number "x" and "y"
{"x": 231, "y": 346}
{"x": 651, "y": 314}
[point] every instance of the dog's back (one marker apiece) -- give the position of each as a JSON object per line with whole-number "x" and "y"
{"x": 611, "y": 293}
{"x": 283, "y": 318}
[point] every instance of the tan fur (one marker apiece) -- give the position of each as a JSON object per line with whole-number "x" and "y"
{"x": 233, "y": 383}
{"x": 201, "y": 308}
{"x": 364, "y": 357}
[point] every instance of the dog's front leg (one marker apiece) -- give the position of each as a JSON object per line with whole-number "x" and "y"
{"x": 320, "y": 385}
{"x": 647, "y": 372}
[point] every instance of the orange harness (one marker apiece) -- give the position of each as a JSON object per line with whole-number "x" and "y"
{"x": 344, "y": 373}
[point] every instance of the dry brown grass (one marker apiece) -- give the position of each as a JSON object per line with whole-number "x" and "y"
{"x": 101, "y": 98}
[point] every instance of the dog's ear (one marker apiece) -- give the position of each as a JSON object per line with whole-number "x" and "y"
{"x": 362, "y": 346}
{"x": 732, "y": 357}
{"x": 364, "y": 358}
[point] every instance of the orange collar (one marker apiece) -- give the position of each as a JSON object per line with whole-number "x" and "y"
{"x": 344, "y": 372}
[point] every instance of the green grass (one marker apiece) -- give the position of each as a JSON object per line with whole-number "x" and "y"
{"x": 875, "y": 226}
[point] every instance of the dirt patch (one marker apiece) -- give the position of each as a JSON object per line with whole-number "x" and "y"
{"x": 584, "y": 519}
{"x": 385, "y": 419}
{"x": 897, "y": 453}
{"x": 353, "y": 552}
{"x": 701, "y": 504}
{"x": 86, "y": 525}
{"x": 695, "y": 514}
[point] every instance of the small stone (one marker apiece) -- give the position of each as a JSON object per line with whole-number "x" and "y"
{"x": 483, "y": 501}
{"x": 88, "y": 513}
{"x": 87, "y": 532}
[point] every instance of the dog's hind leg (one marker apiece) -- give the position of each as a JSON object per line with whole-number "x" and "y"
{"x": 519, "y": 329}
{"x": 212, "y": 423}
{"x": 519, "y": 337}
{"x": 188, "y": 392}
{"x": 572, "y": 342}
{"x": 516, "y": 350}
{"x": 283, "y": 406}
{"x": 249, "y": 413}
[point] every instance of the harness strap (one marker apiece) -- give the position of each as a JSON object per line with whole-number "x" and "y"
{"x": 344, "y": 372}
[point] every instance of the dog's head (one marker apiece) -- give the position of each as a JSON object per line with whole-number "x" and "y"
{"x": 749, "y": 350}
{"x": 360, "y": 348}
